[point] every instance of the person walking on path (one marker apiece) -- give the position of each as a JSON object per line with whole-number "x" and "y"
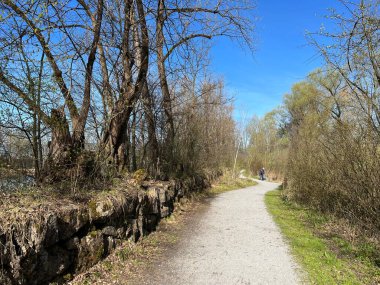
{"x": 262, "y": 174}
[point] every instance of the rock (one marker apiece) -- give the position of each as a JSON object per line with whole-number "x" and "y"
{"x": 130, "y": 227}
{"x": 47, "y": 265}
{"x": 72, "y": 244}
{"x": 109, "y": 245}
{"x": 111, "y": 231}
{"x": 90, "y": 250}
{"x": 112, "y": 208}
{"x": 165, "y": 212}
{"x": 41, "y": 245}
{"x": 4, "y": 279}
{"x": 71, "y": 220}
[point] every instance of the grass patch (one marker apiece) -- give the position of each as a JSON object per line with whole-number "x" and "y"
{"x": 326, "y": 259}
{"x": 227, "y": 183}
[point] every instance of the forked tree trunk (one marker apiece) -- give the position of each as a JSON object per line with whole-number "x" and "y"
{"x": 64, "y": 150}
{"x": 114, "y": 141}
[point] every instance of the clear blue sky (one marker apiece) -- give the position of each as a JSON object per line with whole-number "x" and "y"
{"x": 283, "y": 56}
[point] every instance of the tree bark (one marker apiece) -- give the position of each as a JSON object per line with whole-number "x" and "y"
{"x": 166, "y": 99}
{"x": 133, "y": 144}
{"x": 153, "y": 149}
{"x": 115, "y": 137}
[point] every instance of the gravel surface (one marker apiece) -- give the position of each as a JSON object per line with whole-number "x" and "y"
{"x": 234, "y": 241}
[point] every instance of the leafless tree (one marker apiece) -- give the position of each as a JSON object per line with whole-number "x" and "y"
{"x": 40, "y": 25}
{"x": 353, "y": 51}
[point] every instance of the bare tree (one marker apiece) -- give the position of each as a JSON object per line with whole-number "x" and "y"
{"x": 179, "y": 24}
{"x": 39, "y": 20}
{"x": 354, "y": 51}
{"x": 105, "y": 75}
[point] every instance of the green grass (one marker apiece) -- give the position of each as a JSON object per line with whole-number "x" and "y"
{"x": 227, "y": 183}
{"x": 322, "y": 265}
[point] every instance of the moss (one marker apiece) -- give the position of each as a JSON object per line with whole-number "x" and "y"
{"x": 140, "y": 175}
{"x": 99, "y": 253}
{"x": 106, "y": 206}
{"x": 92, "y": 209}
{"x": 95, "y": 250}
{"x": 39, "y": 227}
{"x": 68, "y": 277}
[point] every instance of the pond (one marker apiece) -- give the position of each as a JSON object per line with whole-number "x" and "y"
{"x": 12, "y": 183}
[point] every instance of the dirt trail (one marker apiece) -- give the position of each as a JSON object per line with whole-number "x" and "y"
{"x": 234, "y": 241}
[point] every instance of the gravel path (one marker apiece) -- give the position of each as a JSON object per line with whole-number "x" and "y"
{"x": 234, "y": 242}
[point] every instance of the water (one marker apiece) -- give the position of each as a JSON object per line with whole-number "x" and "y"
{"x": 12, "y": 183}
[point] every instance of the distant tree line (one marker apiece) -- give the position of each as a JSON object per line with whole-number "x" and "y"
{"x": 325, "y": 138}
{"x": 101, "y": 87}
{"x": 334, "y": 121}
{"x": 266, "y": 145}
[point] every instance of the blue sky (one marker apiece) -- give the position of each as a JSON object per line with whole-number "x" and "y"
{"x": 283, "y": 56}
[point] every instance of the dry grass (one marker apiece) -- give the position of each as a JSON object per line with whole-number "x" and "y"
{"x": 128, "y": 262}
{"x": 228, "y": 183}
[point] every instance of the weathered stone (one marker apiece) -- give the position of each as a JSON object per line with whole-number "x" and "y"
{"x": 71, "y": 220}
{"x": 113, "y": 207}
{"x": 55, "y": 262}
{"x": 165, "y": 211}
{"x": 39, "y": 269}
{"x": 72, "y": 244}
{"x": 130, "y": 227}
{"x": 99, "y": 209}
{"x": 109, "y": 245}
{"x": 150, "y": 223}
{"x": 135, "y": 230}
{"x": 46, "y": 245}
{"x": 4, "y": 279}
{"x": 48, "y": 232}
{"x": 162, "y": 195}
{"x": 110, "y": 231}
{"x": 90, "y": 251}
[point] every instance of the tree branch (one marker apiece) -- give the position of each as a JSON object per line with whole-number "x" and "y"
{"x": 184, "y": 40}
{"x": 45, "y": 118}
{"x": 45, "y": 46}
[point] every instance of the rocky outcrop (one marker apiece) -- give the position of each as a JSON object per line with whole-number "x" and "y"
{"x": 42, "y": 243}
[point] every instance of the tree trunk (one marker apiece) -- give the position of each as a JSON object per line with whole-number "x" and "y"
{"x": 153, "y": 151}
{"x": 35, "y": 147}
{"x": 167, "y": 104}
{"x": 115, "y": 137}
{"x": 64, "y": 150}
{"x": 37, "y": 125}
{"x": 133, "y": 144}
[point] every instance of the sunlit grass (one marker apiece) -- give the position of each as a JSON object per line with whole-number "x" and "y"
{"x": 227, "y": 183}
{"x": 321, "y": 264}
